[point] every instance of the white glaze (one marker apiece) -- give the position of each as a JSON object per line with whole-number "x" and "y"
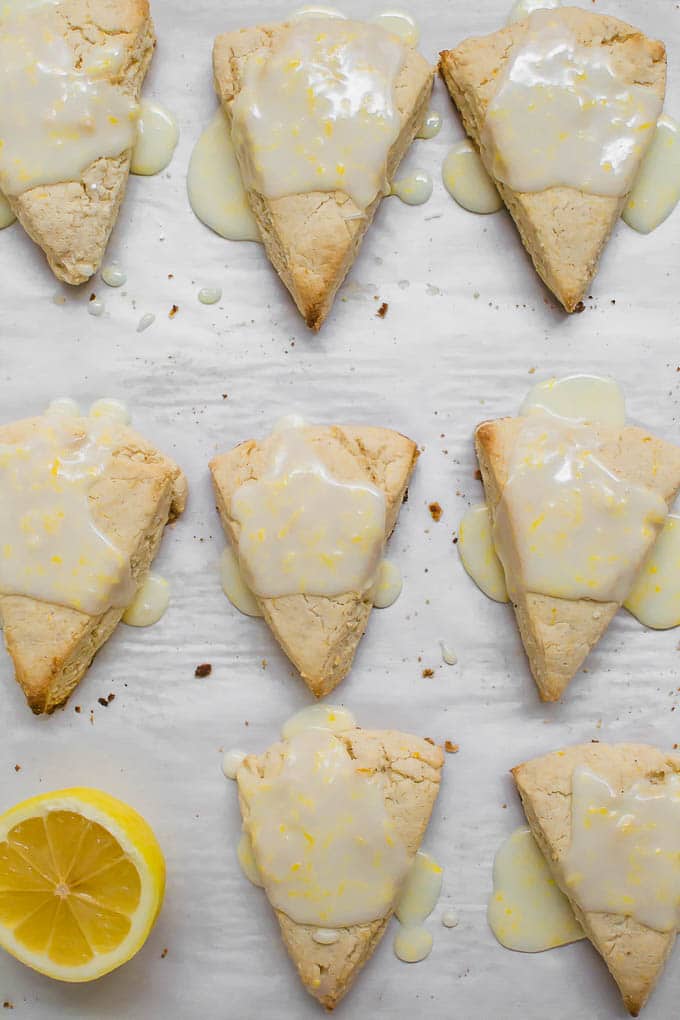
{"x": 523, "y": 8}
{"x": 527, "y": 911}
{"x": 54, "y": 120}
{"x": 95, "y": 307}
{"x": 388, "y": 585}
{"x": 655, "y": 597}
{"x": 448, "y": 654}
{"x": 113, "y": 410}
{"x": 209, "y": 295}
{"x": 417, "y": 900}
{"x": 467, "y": 182}
{"x": 231, "y": 762}
{"x": 478, "y": 553}
{"x": 52, "y": 550}
{"x": 414, "y": 189}
{"x": 656, "y": 191}
{"x": 145, "y": 321}
{"x": 112, "y": 275}
{"x": 64, "y": 405}
{"x": 326, "y": 848}
{"x": 156, "y": 139}
{"x": 623, "y": 854}
{"x": 215, "y": 187}
{"x": 7, "y": 217}
{"x": 575, "y": 529}
{"x": 399, "y": 23}
{"x": 333, "y": 718}
{"x": 562, "y": 116}
{"x": 234, "y": 587}
{"x": 432, "y": 125}
{"x": 450, "y": 919}
{"x": 316, "y": 111}
{"x": 578, "y": 398}
{"x": 149, "y": 604}
{"x": 302, "y": 530}
{"x": 412, "y": 944}
{"x": 326, "y": 936}
{"x": 316, "y": 11}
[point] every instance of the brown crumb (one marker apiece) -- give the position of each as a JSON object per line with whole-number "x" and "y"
{"x": 171, "y": 276}
{"x": 382, "y": 311}
{"x": 111, "y": 697}
{"x": 504, "y": 806}
{"x": 429, "y": 740}
{"x": 7, "y": 1004}
{"x": 455, "y": 539}
{"x": 205, "y": 669}
{"x": 173, "y": 311}
{"x": 436, "y": 511}
{"x": 451, "y": 748}
{"x": 428, "y": 673}
{"x": 224, "y": 396}
{"x": 93, "y": 297}
{"x": 478, "y": 475}
{"x": 264, "y": 664}
{"x": 104, "y": 702}
{"x": 77, "y": 709}
{"x": 531, "y": 371}
{"x": 17, "y": 768}
{"x": 580, "y": 307}
{"x": 91, "y": 717}
{"x": 164, "y": 953}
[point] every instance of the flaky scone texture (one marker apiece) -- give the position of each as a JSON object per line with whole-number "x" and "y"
{"x": 72, "y": 221}
{"x": 559, "y": 633}
{"x": 52, "y": 646}
{"x": 320, "y": 634}
{"x": 409, "y": 769}
{"x": 564, "y": 230}
{"x": 312, "y": 239}
{"x": 634, "y": 953}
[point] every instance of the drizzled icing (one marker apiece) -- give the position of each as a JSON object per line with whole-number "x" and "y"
{"x": 326, "y": 848}
{"x": 317, "y": 112}
{"x": 55, "y": 120}
{"x": 623, "y": 856}
{"x": 51, "y": 547}
{"x": 563, "y": 116}
{"x": 577, "y": 529}
{"x": 302, "y": 530}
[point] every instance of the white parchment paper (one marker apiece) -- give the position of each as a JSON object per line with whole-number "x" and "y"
{"x": 469, "y": 328}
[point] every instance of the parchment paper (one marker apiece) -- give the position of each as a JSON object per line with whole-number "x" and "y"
{"x": 468, "y": 330}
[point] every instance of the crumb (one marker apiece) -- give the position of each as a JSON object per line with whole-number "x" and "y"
{"x": 504, "y": 806}
{"x": 382, "y": 311}
{"x": 531, "y": 371}
{"x": 91, "y": 717}
{"x": 93, "y": 297}
{"x": 428, "y": 673}
{"x": 594, "y": 741}
{"x": 429, "y": 740}
{"x": 580, "y": 307}
{"x": 171, "y": 276}
{"x": 205, "y": 669}
{"x": 224, "y": 396}
{"x": 104, "y": 702}
{"x": 436, "y": 511}
{"x": 478, "y": 475}
{"x": 264, "y": 664}
{"x": 455, "y": 539}
{"x": 451, "y": 748}
{"x": 164, "y": 953}
{"x": 77, "y": 709}
{"x": 173, "y": 311}
{"x": 7, "y": 1004}
{"x": 111, "y": 697}
{"x": 17, "y": 768}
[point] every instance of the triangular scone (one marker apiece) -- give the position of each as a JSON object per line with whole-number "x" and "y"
{"x": 558, "y": 633}
{"x": 72, "y": 221}
{"x": 52, "y": 646}
{"x": 320, "y": 634}
{"x": 312, "y": 239}
{"x": 411, "y": 770}
{"x": 634, "y": 953}
{"x": 563, "y": 229}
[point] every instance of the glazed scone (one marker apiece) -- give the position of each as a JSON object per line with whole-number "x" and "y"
{"x": 558, "y": 633}
{"x": 564, "y": 230}
{"x": 409, "y": 769}
{"x": 52, "y": 646}
{"x": 320, "y": 634}
{"x": 634, "y": 953}
{"x": 72, "y": 221}
{"x": 312, "y": 239}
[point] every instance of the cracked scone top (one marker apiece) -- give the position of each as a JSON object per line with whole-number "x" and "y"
{"x": 563, "y": 116}
{"x": 317, "y": 111}
{"x": 55, "y": 119}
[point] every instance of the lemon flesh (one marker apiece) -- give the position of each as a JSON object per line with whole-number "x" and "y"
{"x": 81, "y": 883}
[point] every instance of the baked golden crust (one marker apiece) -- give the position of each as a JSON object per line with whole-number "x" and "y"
{"x": 320, "y": 635}
{"x": 311, "y": 239}
{"x": 410, "y": 770}
{"x": 72, "y": 221}
{"x": 52, "y": 646}
{"x": 559, "y": 633}
{"x": 564, "y": 230}
{"x": 634, "y": 953}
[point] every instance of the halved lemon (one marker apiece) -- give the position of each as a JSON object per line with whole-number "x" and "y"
{"x": 81, "y": 883}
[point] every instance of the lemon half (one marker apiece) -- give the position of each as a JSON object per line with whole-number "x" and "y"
{"x": 81, "y": 883}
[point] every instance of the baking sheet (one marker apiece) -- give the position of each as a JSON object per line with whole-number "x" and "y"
{"x": 468, "y": 330}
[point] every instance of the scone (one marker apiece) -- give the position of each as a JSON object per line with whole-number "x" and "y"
{"x": 400, "y": 776}
{"x": 312, "y": 238}
{"x": 635, "y": 953}
{"x": 558, "y": 633}
{"x": 320, "y": 634}
{"x": 73, "y": 219}
{"x": 564, "y": 229}
{"x": 134, "y": 495}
